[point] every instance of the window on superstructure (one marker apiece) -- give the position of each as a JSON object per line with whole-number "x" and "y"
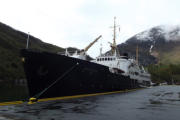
{"x": 102, "y": 59}
{"x": 105, "y": 59}
{"x": 108, "y": 59}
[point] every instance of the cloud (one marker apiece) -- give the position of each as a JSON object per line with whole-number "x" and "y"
{"x": 78, "y": 22}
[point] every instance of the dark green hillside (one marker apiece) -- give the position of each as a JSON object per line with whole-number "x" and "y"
{"x": 165, "y": 73}
{"x": 11, "y": 41}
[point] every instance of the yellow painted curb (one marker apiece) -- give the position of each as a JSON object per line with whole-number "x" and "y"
{"x": 84, "y": 95}
{"x": 67, "y": 97}
{"x": 11, "y": 103}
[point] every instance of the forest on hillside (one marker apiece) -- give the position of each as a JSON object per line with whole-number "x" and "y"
{"x": 11, "y": 42}
{"x": 169, "y": 73}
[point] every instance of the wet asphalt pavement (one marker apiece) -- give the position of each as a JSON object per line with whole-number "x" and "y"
{"x": 156, "y": 103}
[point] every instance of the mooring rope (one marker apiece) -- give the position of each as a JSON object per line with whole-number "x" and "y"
{"x": 35, "y": 97}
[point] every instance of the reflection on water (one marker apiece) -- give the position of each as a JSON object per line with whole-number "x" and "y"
{"x": 158, "y": 103}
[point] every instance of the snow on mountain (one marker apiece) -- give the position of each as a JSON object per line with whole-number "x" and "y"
{"x": 168, "y": 32}
{"x": 157, "y": 43}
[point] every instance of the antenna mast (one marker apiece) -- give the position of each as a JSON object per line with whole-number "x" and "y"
{"x": 27, "y": 45}
{"x": 137, "y": 54}
{"x": 101, "y": 50}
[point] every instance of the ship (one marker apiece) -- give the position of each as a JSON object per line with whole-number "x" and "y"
{"x": 56, "y": 74}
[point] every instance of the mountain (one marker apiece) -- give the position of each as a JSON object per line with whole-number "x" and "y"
{"x": 11, "y": 41}
{"x": 158, "y": 44}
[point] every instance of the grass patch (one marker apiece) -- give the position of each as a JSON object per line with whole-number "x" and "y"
{"x": 13, "y": 93}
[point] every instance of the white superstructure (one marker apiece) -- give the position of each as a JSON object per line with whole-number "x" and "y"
{"x": 122, "y": 64}
{"x": 125, "y": 66}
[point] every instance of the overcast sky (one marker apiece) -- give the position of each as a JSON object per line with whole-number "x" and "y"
{"x": 76, "y": 23}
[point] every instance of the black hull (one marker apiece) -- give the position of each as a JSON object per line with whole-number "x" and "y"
{"x": 43, "y": 68}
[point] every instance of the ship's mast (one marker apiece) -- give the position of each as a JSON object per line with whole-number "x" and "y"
{"x": 113, "y": 45}
{"x": 114, "y": 37}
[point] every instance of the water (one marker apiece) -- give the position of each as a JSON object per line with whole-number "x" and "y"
{"x": 156, "y": 103}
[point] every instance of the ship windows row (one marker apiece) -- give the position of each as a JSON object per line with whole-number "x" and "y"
{"x": 105, "y": 59}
